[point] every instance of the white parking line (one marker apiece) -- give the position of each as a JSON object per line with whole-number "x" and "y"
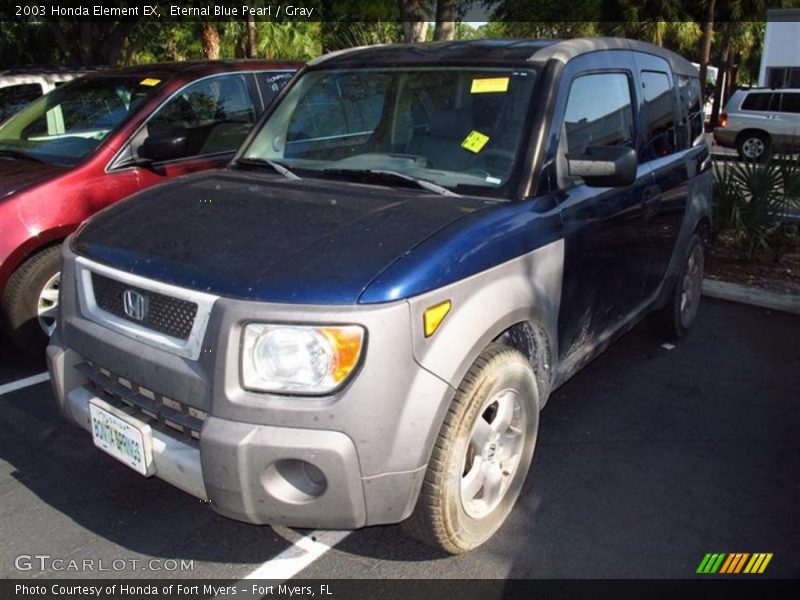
{"x": 23, "y": 383}
{"x": 285, "y": 565}
{"x": 294, "y": 559}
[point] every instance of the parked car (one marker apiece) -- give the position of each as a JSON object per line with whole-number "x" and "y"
{"x": 359, "y": 320}
{"x": 758, "y": 121}
{"x": 20, "y": 87}
{"x": 97, "y": 140}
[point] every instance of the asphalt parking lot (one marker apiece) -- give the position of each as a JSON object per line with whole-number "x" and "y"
{"x": 647, "y": 459}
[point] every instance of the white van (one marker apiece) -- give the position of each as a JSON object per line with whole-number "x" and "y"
{"x": 19, "y": 87}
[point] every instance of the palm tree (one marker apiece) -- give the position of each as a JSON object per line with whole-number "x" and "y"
{"x": 209, "y": 35}
{"x": 446, "y": 16}
{"x": 656, "y": 21}
{"x": 706, "y": 39}
{"x": 298, "y": 40}
{"x": 414, "y": 16}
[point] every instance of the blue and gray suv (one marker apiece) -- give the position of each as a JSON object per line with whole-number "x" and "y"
{"x": 360, "y": 319}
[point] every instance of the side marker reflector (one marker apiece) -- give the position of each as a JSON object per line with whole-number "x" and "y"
{"x": 434, "y": 316}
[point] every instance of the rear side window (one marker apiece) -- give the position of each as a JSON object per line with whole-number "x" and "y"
{"x": 660, "y": 126}
{"x": 689, "y": 88}
{"x": 760, "y": 101}
{"x": 791, "y": 103}
{"x": 272, "y": 83}
{"x": 599, "y": 112}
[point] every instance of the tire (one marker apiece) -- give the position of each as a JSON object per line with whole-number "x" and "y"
{"x": 676, "y": 317}
{"x": 500, "y": 379}
{"x": 33, "y": 285}
{"x": 753, "y": 146}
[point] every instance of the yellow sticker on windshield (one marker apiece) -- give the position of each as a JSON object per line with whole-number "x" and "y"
{"x": 486, "y": 86}
{"x": 475, "y": 141}
{"x": 150, "y": 81}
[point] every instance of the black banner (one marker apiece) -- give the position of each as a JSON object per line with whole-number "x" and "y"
{"x": 539, "y": 11}
{"x": 397, "y": 589}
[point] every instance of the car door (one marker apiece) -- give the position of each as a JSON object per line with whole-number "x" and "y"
{"x": 213, "y": 116}
{"x": 790, "y": 119}
{"x": 666, "y": 149}
{"x": 606, "y": 253}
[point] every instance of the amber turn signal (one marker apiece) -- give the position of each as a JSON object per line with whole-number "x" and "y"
{"x": 434, "y": 316}
{"x": 346, "y": 343}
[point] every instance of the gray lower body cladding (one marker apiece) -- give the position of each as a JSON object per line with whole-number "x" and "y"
{"x": 347, "y": 460}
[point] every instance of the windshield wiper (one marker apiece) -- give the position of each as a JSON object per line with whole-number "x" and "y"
{"x": 276, "y": 166}
{"x": 20, "y": 155}
{"x": 382, "y": 173}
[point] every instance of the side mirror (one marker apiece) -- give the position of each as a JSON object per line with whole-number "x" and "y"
{"x": 163, "y": 146}
{"x": 604, "y": 166}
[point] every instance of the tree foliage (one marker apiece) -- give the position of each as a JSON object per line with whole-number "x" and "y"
{"x": 727, "y": 34}
{"x": 65, "y": 42}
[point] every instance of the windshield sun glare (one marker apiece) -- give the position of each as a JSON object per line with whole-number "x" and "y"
{"x": 456, "y": 128}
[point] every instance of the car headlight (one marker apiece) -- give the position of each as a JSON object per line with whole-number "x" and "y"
{"x": 299, "y": 359}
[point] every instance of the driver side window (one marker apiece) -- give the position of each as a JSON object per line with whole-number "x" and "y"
{"x": 213, "y": 116}
{"x": 599, "y": 112}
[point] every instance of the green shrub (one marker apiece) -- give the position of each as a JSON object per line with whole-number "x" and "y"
{"x": 751, "y": 200}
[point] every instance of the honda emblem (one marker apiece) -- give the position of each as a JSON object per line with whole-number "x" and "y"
{"x": 135, "y": 305}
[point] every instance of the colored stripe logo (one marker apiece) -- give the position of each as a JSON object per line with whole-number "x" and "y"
{"x": 734, "y": 563}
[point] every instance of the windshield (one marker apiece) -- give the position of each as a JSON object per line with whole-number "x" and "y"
{"x": 459, "y": 128}
{"x": 65, "y": 125}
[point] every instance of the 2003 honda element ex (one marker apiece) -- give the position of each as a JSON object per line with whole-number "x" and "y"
{"x": 361, "y": 318}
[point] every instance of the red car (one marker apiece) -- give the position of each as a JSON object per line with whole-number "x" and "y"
{"x": 99, "y": 139}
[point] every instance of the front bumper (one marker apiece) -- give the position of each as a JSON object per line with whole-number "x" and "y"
{"x": 258, "y": 457}
{"x": 233, "y": 464}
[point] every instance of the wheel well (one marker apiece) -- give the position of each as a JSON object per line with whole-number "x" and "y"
{"x": 531, "y": 339}
{"x": 27, "y": 256}
{"x": 746, "y": 132}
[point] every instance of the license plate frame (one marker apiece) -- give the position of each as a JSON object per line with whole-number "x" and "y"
{"x": 119, "y": 435}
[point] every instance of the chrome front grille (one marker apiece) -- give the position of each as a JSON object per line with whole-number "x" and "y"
{"x": 160, "y": 412}
{"x": 165, "y": 314}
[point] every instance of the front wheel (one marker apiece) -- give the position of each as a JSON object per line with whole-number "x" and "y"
{"x": 675, "y": 319}
{"x": 482, "y": 454}
{"x": 30, "y": 302}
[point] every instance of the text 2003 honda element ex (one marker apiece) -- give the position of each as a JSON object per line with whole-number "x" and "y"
{"x": 360, "y": 319}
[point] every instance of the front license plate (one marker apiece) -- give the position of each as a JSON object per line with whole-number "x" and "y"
{"x": 121, "y": 439}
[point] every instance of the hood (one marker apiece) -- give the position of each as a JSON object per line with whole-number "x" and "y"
{"x": 18, "y": 174}
{"x": 258, "y": 237}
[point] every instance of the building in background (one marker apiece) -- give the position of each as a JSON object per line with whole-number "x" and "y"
{"x": 780, "y": 61}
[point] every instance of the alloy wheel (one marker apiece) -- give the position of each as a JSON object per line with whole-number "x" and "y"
{"x": 47, "y": 305}
{"x": 691, "y": 287}
{"x": 493, "y": 453}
